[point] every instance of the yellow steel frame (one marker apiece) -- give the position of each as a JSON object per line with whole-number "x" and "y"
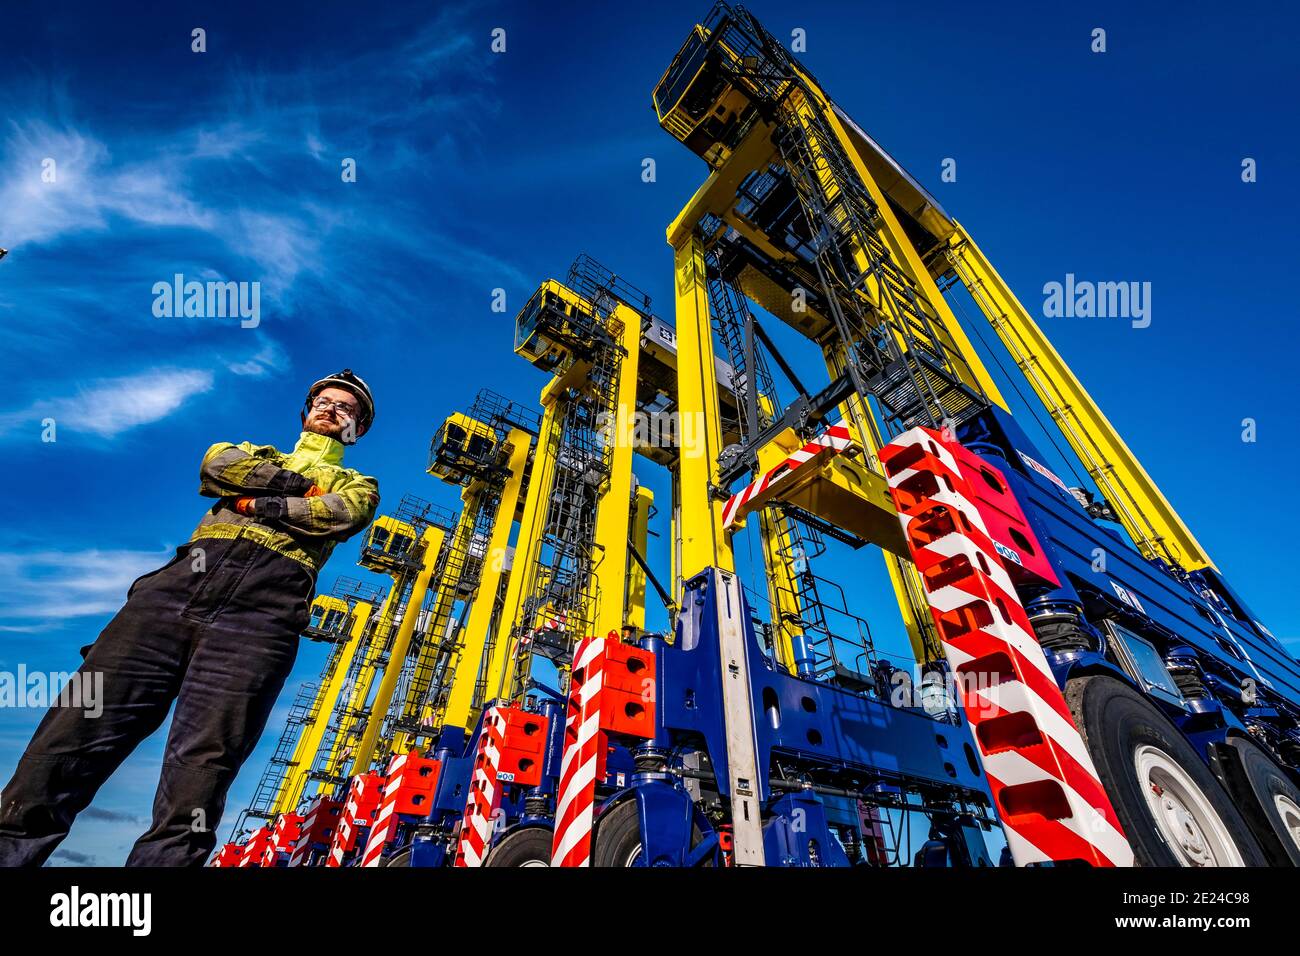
{"x": 700, "y": 541}
{"x": 1144, "y": 512}
{"x": 470, "y": 658}
{"x": 294, "y": 782}
{"x": 1138, "y": 503}
{"x": 444, "y": 601}
{"x": 431, "y": 541}
{"x": 527, "y": 543}
{"x": 613, "y": 517}
{"x": 634, "y": 600}
{"x": 352, "y": 716}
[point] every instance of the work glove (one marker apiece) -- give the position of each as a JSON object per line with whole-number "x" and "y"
{"x": 268, "y": 508}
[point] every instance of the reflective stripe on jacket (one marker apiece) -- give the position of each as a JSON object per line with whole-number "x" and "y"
{"x": 310, "y": 527}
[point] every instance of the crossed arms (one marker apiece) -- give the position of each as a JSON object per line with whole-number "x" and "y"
{"x": 284, "y": 498}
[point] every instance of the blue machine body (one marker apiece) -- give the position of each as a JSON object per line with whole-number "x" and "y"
{"x": 1197, "y": 614}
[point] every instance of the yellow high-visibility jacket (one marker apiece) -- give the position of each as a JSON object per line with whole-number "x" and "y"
{"x": 305, "y": 529}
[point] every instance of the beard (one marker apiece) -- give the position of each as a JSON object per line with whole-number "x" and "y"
{"x": 320, "y": 425}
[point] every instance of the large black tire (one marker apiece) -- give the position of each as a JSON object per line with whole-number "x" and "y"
{"x": 616, "y": 839}
{"x": 530, "y": 846}
{"x": 1270, "y": 800}
{"x": 1173, "y": 810}
{"x": 401, "y": 858}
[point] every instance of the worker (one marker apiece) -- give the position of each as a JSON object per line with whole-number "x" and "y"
{"x": 215, "y": 629}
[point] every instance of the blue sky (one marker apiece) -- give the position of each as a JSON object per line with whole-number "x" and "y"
{"x": 478, "y": 171}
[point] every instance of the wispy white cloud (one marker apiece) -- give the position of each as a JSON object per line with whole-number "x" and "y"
{"x": 269, "y": 358}
{"x": 107, "y": 407}
{"x": 61, "y": 180}
{"x": 238, "y": 175}
{"x": 41, "y": 589}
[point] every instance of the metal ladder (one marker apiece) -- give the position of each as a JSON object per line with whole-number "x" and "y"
{"x": 798, "y": 545}
{"x": 565, "y": 560}
{"x": 894, "y": 346}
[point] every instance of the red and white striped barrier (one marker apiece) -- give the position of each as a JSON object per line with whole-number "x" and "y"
{"x": 584, "y": 747}
{"x": 835, "y": 440}
{"x": 476, "y": 823}
{"x": 283, "y": 837}
{"x": 363, "y": 798}
{"x": 317, "y": 831}
{"x": 408, "y": 790}
{"x": 1048, "y": 793}
{"x": 385, "y": 825}
{"x": 611, "y": 692}
{"x": 255, "y": 847}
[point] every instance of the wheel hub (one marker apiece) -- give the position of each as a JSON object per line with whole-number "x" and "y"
{"x": 1183, "y": 814}
{"x": 1289, "y": 811}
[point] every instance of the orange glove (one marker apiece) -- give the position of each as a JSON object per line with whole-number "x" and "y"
{"x": 315, "y": 491}
{"x": 245, "y": 506}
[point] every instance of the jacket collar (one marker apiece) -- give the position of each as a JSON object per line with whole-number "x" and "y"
{"x": 316, "y": 449}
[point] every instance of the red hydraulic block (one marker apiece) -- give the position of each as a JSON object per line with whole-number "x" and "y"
{"x": 419, "y": 780}
{"x": 228, "y": 855}
{"x": 284, "y": 834}
{"x": 627, "y": 697}
{"x": 523, "y": 743}
{"x": 317, "y": 830}
{"x": 255, "y": 848}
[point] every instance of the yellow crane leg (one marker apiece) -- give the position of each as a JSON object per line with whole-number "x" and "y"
{"x": 634, "y": 603}
{"x": 295, "y": 781}
{"x": 541, "y": 477}
{"x": 704, "y": 544}
{"x": 675, "y": 538}
{"x": 439, "y": 623}
{"x": 432, "y": 540}
{"x": 781, "y": 587}
{"x": 469, "y": 662}
{"x": 336, "y": 764}
{"x": 1142, "y": 509}
{"x": 613, "y": 515}
{"x": 444, "y": 603}
{"x": 949, "y": 332}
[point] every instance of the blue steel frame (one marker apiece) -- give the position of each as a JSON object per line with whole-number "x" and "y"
{"x": 1193, "y": 616}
